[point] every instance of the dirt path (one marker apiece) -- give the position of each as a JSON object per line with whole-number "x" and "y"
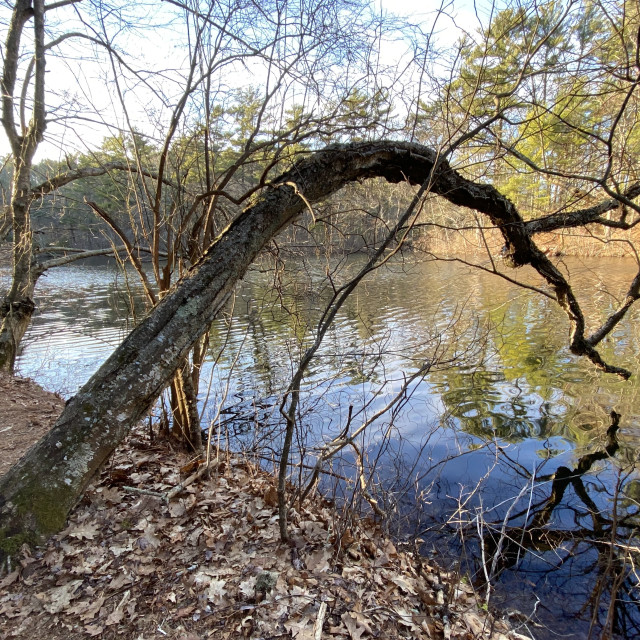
{"x": 27, "y": 412}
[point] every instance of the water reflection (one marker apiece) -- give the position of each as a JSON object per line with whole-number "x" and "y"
{"x": 519, "y": 407}
{"x": 613, "y": 604}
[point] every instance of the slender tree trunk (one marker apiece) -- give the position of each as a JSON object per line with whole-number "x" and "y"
{"x": 17, "y": 306}
{"x": 184, "y": 408}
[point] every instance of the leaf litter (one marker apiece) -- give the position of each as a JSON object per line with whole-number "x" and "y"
{"x": 210, "y": 564}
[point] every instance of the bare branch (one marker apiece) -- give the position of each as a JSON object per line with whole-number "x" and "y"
{"x": 77, "y": 254}
{"x": 581, "y": 217}
{"x": 131, "y": 250}
{"x": 56, "y": 182}
{"x": 58, "y": 5}
{"x": 22, "y": 12}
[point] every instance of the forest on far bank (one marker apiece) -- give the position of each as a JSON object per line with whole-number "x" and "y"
{"x": 547, "y": 89}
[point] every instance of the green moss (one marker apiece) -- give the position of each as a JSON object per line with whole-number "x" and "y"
{"x": 50, "y": 512}
{"x": 35, "y": 515}
{"x": 11, "y": 544}
{"x": 38, "y": 511}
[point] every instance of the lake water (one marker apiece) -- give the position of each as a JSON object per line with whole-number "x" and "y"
{"x": 468, "y": 455}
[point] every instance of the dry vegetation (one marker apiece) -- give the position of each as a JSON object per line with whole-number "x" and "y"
{"x": 456, "y": 232}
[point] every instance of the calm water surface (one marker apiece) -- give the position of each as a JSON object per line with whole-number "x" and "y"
{"x": 470, "y": 451}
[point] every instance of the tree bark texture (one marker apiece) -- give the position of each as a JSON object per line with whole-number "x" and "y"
{"x": 18, "y": 306}
{"x": 37, "y": 494}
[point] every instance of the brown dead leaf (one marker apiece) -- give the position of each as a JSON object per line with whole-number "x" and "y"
{"x": 271, "y": 497}
{"x": 94, "y": 629}
{"x": 319, "y": 561}
{"x": 390, "y": 549}
{"x": 88, "y": 609}
{"x": 405, "y": 618}
{"x": 194, "y": 536}
{"x": 183, "y": 612}
{"x": 118, "y": 582}
{"x": 150, "y": 537}
{"x": 118, "y": 476}
{"x": 57, "y": 599}
{"x": 382, "y": 560}
{"x": 112, "y": 495}
{"x": 369, "y": 548}
{"x": 192, "y": 466}
{"x": 146, "y": 570}
{"x": 117, "y": 615}
{"x": 86, "y": 531}
{"x": 300, "y": 629}
{"x": 355, "y": 627}
{"x": 177, "y": 509}
{"x": 475, "y": 623}
{"x": 9, "y": 579}
{"x": 347, "y": 539}
{"x": 406, "y": 584}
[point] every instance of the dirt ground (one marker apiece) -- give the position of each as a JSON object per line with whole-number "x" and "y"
{"x": 26, "y": 413}
{"x": 209, "y": 563}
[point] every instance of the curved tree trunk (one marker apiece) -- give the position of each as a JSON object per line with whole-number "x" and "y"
{"x": 37, "y": 494}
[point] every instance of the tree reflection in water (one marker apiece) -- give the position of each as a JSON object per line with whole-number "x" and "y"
{"x": 613, "y": 606}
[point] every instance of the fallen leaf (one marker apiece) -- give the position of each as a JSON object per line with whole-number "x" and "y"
{"x": 319, "y": 561}
{"x": 118, "y": 582}
{"x": 118, "y": 550}
{"x": 271, "y": 496}
{"x": 347, "y": 539}
{"x": 57, "y": 599}
{"x": 87, "y": 610}
{"x": 404, "y": 584}
{"x": 369, "y": 548}
{"x": 117, "y": 615}
{"x": 94, "y": 629}
{"x": 193, "y": 537}
{"x": 314, "y": 529}
{"x": 146, "y": 570}
{"x": 248, "y": 587}
{"x": 177, "y": 509}
{"x": 9, "y": 579}
{"x": 405, "y": 618}
{"x": 354, "y": 627}
{"x": 185, "y": 611}
{"x": 88, "y": 531}
{"x": 150, "y": 537}
{"x": 112, "y": 495}
{"x": 216, "y": 591}
{"x": 300, "y": 629}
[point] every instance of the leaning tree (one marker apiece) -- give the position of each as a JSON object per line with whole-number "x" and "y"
{"x": 483, "y": 124}
{"x": 38, "y": 492}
